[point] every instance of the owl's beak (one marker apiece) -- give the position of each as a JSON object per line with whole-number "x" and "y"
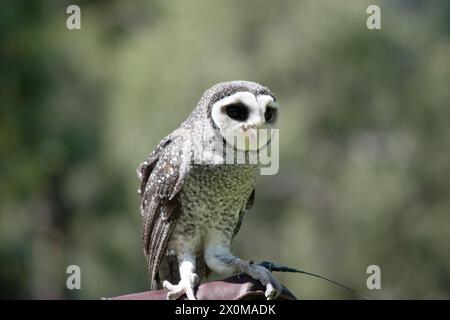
{"x": 251, "y": 134}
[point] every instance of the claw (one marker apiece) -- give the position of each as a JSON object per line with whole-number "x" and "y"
{"x": 263, "y": 275}
{"x": 183, "y": 287}
{"x": 270, "y": 292}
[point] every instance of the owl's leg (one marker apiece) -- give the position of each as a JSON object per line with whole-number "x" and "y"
{"x": 219, "y": 259}
{"x": 188, "y": 279}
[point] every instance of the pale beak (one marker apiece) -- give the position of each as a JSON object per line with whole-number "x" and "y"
{"x": 251, "y": 134}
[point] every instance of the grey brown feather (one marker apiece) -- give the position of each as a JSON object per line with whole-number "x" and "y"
{"x": 159, "y": 176}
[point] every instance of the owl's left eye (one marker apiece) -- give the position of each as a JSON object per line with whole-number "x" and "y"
{"x": 237, "y": 111}
{"x": 270, "y": 115}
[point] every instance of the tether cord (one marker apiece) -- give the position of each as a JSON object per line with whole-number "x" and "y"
{"x": 273, "y": 267}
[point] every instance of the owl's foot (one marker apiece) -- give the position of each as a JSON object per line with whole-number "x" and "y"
{"x": 273, "y": 286}
{"x": 184, "y": 286}
{"x": 219, "y": 258}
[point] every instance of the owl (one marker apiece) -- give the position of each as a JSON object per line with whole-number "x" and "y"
{"x": 193, "y": 200}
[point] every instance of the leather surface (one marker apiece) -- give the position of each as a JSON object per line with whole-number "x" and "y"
{"x": 233, "y": 288}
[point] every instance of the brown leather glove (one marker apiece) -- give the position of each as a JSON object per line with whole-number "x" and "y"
{"x": 233, "y": 288}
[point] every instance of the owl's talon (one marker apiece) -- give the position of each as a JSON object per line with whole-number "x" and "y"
{"x": 183, "y": 287}
{"x": 270, "y": 293}
{"x": 263, "y": 275}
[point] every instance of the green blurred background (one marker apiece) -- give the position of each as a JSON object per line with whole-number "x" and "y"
{"x": 365, "y": 166}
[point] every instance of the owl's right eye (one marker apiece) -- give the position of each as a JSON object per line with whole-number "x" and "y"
{"x": 237, "y": 111}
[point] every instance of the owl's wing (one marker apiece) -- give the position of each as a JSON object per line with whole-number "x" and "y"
{"x": 247, "y": 207}
{"x": 161, "y": 178}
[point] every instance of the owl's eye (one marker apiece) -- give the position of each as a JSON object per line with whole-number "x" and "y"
{"x": 237, "y": 111}
{"x": 270, "y": 115}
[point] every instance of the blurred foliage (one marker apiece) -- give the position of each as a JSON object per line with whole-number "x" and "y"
{"x": 365, "y": 166}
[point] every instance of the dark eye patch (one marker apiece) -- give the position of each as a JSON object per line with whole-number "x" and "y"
{"x": 270, "y": 115}
{"x": 237, "y": 111}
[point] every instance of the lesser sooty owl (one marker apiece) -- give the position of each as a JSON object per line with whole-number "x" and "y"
{"x": 193, "y": 202}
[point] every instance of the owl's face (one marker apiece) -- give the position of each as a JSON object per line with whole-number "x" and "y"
{"x": 244, "y": 119}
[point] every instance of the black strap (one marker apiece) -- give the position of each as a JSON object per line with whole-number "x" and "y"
{"x": 274, "y": 267}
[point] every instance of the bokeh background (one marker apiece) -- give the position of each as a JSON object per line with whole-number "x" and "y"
{"x": 365, "y": 166}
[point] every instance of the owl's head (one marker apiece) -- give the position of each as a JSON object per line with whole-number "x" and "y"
{"x": 243, "y": 112}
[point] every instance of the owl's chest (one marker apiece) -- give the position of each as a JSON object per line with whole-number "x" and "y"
{"x": 214, "y": 195}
